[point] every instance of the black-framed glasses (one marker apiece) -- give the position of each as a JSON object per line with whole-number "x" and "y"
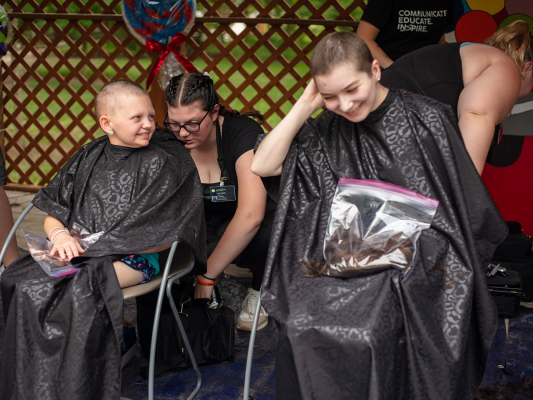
{"x": 190, "y": 127}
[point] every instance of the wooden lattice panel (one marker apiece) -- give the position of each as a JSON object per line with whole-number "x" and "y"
{"x": 269, "y": 71}
{"x": 68, "y": 6}
{"x": 55, "y": 68}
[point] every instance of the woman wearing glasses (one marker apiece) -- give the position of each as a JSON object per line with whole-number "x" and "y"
{"x": 238, "y": 212}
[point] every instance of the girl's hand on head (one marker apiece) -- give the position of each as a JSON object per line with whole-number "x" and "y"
{"x": 203, "y": 292}
{"x": 312, "y": 97}
{"x": 66, "y": 246}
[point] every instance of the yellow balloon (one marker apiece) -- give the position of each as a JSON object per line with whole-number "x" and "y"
{"x": 489, "y": 6}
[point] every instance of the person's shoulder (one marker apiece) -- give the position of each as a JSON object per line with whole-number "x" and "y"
{"x": 325, "y": 118}
{"x": 374, "y": 6}
{"x": 482, "y": 54}
{"x": 240, "y": 123}
{"x": 167, "y": 153}
{"x": 163, "y": 141}
{"x": 423, "y": 106}
{"x": 237, "y": 129}
{"x": 87, "y": 149}
{"x": 315, "y": 126}
{"x": 377, "y": 12}
{"x": 162, "y": 137}
{"x": 100, "y": 141}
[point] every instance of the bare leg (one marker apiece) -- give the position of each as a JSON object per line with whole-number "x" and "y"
{"x": 6, "y": 216}
{"x": 126, "y": 275}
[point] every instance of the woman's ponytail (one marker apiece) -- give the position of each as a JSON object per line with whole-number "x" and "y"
{"x": 515, "y": 40}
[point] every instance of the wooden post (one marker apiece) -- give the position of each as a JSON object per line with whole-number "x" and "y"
{"x": 157, "y": 96}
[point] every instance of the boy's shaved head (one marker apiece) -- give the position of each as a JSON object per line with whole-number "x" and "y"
{"x": 108, "y": 99}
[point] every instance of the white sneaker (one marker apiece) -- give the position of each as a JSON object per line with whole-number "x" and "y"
{"x": 246, "y": 317}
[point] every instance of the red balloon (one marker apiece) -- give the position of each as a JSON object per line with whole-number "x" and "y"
{"x": 475, "y": 26}
{"x": 498, "y": 18}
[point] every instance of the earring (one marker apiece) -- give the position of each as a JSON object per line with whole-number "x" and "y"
{"x": 379, "y": 79}
{"x": 111, "y": 133}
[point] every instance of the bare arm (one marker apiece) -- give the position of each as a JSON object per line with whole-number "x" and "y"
{"x": 64, "y": 245}
{"x": 273, "y": 150}
{"x": 484, "y": 102}
{"x": 243, "y": 226}
{"x": 369, "y": 33}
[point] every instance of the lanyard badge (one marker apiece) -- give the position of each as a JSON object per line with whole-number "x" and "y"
{"x": 222, "y": 193}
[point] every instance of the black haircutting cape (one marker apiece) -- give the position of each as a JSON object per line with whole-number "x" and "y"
{"x": 422, "y": 336}
{"x": 63, "y": 336}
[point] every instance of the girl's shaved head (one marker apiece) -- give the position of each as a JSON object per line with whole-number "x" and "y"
{"x": 108, "y": 99}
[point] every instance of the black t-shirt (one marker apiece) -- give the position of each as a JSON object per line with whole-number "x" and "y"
{"x": 436, "y": 69}
{"x": 238, "y": 136}
{"x": 407, "y": 25}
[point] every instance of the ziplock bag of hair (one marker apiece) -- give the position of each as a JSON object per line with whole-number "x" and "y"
{"x": 372, "y": 226}
{"x": 53, "y": 265}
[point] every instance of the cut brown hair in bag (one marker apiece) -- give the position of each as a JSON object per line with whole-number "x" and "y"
{"x": 372, "y": 255}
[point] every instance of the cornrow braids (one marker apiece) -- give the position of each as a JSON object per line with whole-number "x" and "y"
{"x": 172, "y": 89}
{"x": 201, "y": 81}
{"x": 188, "y": 88}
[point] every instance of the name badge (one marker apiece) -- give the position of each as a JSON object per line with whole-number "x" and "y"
{"x": 223, "y": 193}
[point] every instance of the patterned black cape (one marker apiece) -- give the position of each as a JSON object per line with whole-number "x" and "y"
{"x": 424, "y": 336}
{"x": 63, "y": 336}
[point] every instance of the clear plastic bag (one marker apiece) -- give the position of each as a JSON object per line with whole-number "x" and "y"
{"x": 372, "y": 226}
{"x": 40, "y": 248}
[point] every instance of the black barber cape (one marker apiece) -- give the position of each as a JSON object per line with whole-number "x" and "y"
{"x": 63, "y": 336}
{"x": 423, "y": 336}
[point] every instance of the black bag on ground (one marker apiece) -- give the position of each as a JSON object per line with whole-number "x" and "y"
{"x": 524, "y": 266}
{"x": 506, "y": 292}
{"x": 211, "y": 332}
{"x": 514, "y": 245}
{"x": 514, "y": 227}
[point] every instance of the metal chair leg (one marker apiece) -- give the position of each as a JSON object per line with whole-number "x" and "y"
{"x": 12, "y": 233}
{"x": 159, "y": 305}
{"x": 184, "y": 336}
{"x": 249, "y": 358}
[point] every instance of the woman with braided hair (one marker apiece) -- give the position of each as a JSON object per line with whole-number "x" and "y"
{"x": 238, "y": 212}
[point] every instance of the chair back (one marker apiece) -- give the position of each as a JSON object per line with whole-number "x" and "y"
{"x": 183, "y": 257}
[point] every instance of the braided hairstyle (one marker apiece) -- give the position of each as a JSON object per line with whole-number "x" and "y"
{"x": 185, "y": 89}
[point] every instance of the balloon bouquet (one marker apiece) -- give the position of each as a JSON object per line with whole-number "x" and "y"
{"x": 162, "y": 27}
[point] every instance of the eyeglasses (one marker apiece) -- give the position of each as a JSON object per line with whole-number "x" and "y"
{"x": 190, "y": 127}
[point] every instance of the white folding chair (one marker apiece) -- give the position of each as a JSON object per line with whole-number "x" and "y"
{"x": 170, "y": 274}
